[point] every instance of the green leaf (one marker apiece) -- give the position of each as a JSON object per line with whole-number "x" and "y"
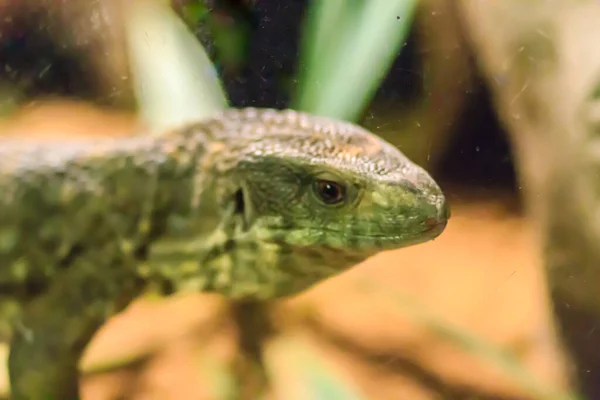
{"x": 348, "y": 47}
{"x": 174, "y": 78}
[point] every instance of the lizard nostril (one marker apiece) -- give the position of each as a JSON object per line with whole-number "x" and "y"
{"x": 437, "y": 225}
{"x": 432, "y": 222}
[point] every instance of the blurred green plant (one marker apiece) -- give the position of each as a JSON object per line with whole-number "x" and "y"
{"x": 228, "y": 32}
{"x": 174, "y": 79}
{"x": 195, "y": 12}
{"x": 348, "y": 48}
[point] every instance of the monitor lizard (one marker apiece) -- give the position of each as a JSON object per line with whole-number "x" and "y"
{"x": 252, "y": 204}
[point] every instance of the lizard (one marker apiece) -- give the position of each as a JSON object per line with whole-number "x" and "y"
{"x": 252, "y": 203}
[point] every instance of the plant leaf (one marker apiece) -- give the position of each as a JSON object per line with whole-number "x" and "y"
{"x": 348, "y": 48}
{"x": 174, "y": 79}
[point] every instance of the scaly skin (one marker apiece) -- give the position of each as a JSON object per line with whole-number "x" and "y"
{"x": 253, "y": 204}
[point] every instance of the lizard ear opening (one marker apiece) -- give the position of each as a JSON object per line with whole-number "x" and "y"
{"x": 240, "y": 203}
{"x": 242, "y": 208}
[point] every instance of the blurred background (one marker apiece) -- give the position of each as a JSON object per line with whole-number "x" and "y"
{"x": 498, "y": 101}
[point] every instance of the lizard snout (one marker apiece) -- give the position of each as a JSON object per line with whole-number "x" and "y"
{"x": 437, "y": 223}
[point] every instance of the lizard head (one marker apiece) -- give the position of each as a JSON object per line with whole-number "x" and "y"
{"x": 308, "y": 197}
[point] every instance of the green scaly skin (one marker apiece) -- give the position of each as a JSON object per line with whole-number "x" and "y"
{"x": 253, "y": 204}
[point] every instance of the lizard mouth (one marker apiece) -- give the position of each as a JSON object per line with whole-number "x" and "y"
{"x": 356, "y": 243}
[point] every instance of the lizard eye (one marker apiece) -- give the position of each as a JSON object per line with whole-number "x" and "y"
{"x": 329, "y": 192}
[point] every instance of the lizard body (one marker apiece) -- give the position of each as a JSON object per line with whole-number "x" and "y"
{"x": 252, "y": 204}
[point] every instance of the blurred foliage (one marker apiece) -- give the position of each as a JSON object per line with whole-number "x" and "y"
{"x": 229, "y": 35}
{"x": 174, "y": 78}
{"x": 344, "y": 41}
{"x": 195, "y": 12}
{"x": 348, "y": 49}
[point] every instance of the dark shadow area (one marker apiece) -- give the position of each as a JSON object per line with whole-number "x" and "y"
{"x": 479, "y": 153}
{"x": 32, "y": 60}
